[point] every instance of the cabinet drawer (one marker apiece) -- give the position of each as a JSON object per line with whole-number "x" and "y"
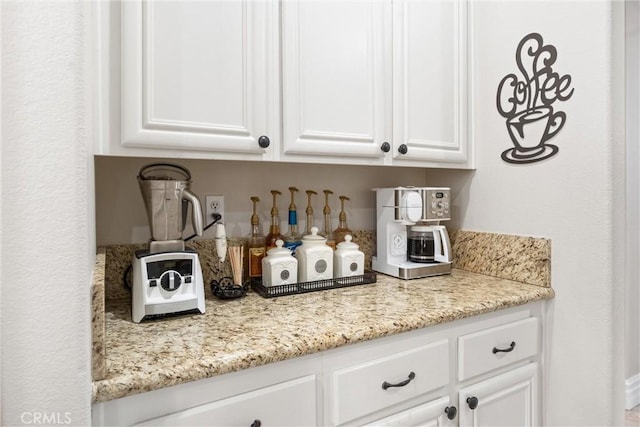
{"x": 358, "y": 390}
{"x": 493, "y": 348}
{"x": 292, "y": 403}
{"x": 428, "y": 414}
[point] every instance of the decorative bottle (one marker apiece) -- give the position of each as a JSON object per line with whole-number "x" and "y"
{"x": 343, "y": 229}
{"x": 255, "y": 243}
{"x": 327, "y": 232}
{"x": 309, "y": 212}
{"x": 274, "y": 229}
{"x": 292, "y": 238}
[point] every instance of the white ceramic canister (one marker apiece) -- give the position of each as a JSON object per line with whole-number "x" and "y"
{"x": 279, "y": 267}
{"x": 315, "y": 258}
{"x": 348, "y": 260}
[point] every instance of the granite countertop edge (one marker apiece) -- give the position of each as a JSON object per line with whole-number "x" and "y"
{"x": 445, "y": 299}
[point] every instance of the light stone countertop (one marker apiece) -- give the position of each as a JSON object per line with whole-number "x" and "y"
{"x": 252, "y": 331}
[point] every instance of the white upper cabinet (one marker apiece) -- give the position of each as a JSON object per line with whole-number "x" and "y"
{"x": 430, "y": 82}
{"x": 336, "y": 79}
{"x": 200, "y": 75}
{"x": 379, "y": 82}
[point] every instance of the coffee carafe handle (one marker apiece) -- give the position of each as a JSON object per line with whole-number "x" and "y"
{"x": 442, "y": 244}
{"x": 196, "y": 211}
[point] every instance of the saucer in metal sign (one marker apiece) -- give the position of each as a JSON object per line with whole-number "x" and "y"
{"x": 512, "y": 155}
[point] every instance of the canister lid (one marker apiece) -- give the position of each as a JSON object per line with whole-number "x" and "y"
{"x": 278, "y": 251}
{"x": 347, "y": 244}
{"x": 313, "y": 238}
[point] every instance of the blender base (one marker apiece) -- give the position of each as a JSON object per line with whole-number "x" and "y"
{"x": 166, "y": 283}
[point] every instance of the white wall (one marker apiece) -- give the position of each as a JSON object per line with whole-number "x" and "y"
{"x": 48, "y": 242}
{"x": 568, "y": 198}
{"x": 632, "y": 299}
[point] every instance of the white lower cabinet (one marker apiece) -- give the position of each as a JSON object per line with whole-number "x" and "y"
{"x": 480, "y": 371}
{"x": 292, "y": 403}
{"x": 509, "y": 399}
{"x": 277, "y": 394}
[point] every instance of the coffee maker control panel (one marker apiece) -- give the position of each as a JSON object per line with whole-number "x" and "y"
{"x": 416, "y": 204}
{"x": 437, "y": 204}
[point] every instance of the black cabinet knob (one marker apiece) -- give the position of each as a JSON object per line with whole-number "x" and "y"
{"x": 472, "y": 402}
{"x": 256, "y": 423}
{"x": 403, "y": 149}
{"x": 385, "y": 147}
{"x": 264, "y": 141}
{"x": 451, "y": 412}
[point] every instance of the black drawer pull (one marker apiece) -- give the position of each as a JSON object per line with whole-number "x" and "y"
{"x": 505, "y": 350}
{"x": 386, "y": 385}
{"x": 256, "y": 423}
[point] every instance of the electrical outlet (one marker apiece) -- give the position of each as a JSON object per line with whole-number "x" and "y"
{"x": 214, "y": 204}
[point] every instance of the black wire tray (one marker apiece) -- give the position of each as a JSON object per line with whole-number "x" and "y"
{"x": 318, "y": 285}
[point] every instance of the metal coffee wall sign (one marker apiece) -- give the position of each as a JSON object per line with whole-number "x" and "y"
{"x": 529, "y": 102}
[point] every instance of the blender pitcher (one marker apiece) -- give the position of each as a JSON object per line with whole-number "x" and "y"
{"x": 166, "y": 194}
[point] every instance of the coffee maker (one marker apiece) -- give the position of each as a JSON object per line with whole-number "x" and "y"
{"x": 411, "y": 243}
{"x": 167, "y": 277}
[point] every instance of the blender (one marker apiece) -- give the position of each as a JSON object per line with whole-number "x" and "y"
{"x": 167, "y": 277}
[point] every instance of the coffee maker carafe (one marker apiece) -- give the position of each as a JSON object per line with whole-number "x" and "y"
{"x": 425, "y": 243}
{"x": 167, "y": 278}
{"x": 411, "y": 243}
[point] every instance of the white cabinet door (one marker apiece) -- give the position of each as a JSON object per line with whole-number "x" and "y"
{"x": 429, "y": 83}
{"x": 336, "y": 79}
{"x": 200, "y": 75}
{"x": 432, "y": 414}
{"x": 292, "y": 403}
{"x": 509, "y": 399}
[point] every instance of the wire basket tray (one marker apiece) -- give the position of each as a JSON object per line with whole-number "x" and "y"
{"x": 317, "y": 285}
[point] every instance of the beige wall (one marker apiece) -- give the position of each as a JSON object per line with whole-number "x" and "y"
{"x": 121, "y": 218}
